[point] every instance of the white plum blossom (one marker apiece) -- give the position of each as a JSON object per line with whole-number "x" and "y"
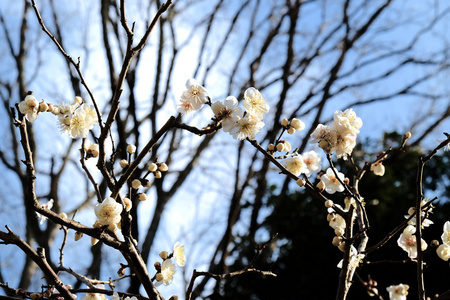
{"x": 246, "y": 127}
{"x": 96, "y": 296}
{"x": 425, "y": 222}
{"x": 193, "y": 97}
{"x": 29, "y": 107}
{"x": 407, "y": 241}
{"x": 378, "y": 169}
{"x": 398, "y": 292}
{"x": 313, "y": 162}
{"x": 168, "y": 269}
{"x": 295, "y": 165}
{"x": 91, "y": 149}
{"x": 446, "y": 234}
{"x": 48, "y": 206}
{"x": 332, "y": 184}
{"x": 326, "y": 137}
{"x": 108, "y": 212}
{"x": 225, "y": 112}
{"x": 347, "y": 121}
{"x": 254, "y": 103}
{"x": 83, "y": 120}
{"x": 178, "y": 254}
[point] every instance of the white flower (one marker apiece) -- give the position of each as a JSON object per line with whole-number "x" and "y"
{"x": 347, "y": 121}
{"x": 168, "y": 269}
{"x": 313, "y": 162}
{"x": 326, "y": 137}
{"x": 398, "y": 292}
{"x": 332, "y": 184}
{"x": 254, "y": 103}
{"x": 29, "y": 107}
{"x": 412, "y": 210}
{"x": 108, "y": 212}
{"x": 83, "y": 120}
{"x": 115, "y": 296}
{"x": 193, "y": 98}
{"x": 377, "y": 169}
{"x": 178, "y": 254}
{"x": 295, "y": 165}
{"x": 247, "y": 127}
{"x": 407, "y": 241}
{"x": 48, "y": 206}
{"x": 91, "y": 149}
{"x": 443, "y": 251}
{"x": 96, "y": 296}
{"x": 226, "y": 111}
{"x": 446, "y": 234}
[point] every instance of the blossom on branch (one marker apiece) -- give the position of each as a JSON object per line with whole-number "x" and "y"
{"x": 178, "y": 254}
{"x": 254, "y": 103}
{"x": 225, "y": 112}
{"x": 48, "y": 206}
{"x": 193, "y": 97}
{"x": 295, "y": 165}
{"x": 108, "y": 213}
{"x": 407, "y": 241}
{"x": 313, "y": 162}
{"x": 398, "y": 292}
{"x": 378, "y": 169}
{"x": 246, "y": 127}
{"x": 168, "y": 269}
{"x": 332, "y": 184}
{"x": 29, "y": 107}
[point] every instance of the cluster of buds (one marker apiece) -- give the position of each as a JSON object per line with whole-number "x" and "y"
{"x": 157, "y": 168}
{"x": 281, "y": 146}
{"x": 91, "y": 149}
{"x": 293, "y": 126}
{"x": 336, "y": 222}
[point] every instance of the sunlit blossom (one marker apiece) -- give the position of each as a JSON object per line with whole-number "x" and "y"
{"x": 254, "y": 103}
{"x": 332, "y": 184}
{"x": 29, "y": 107}
{"x": 246, "y": 127}
{"x": 347, "y": 121}
{"x": 377, "y": 169}
{"x": 48, "y": 206}
{"x": 446, "y": 234}
{"x": 168, "y": 269}
{"x": 443, "y": 251}
{"x": 295, "y": 165}
{"x": 225, "y": 112}
{"x": 407, "y": 241}
{"x": 313, "y": 162}
{"x": 108, "y": 212}
{"x": 193, "y": 97}
{"x": 398, "y": 292}
{"x": 178, "y": 254}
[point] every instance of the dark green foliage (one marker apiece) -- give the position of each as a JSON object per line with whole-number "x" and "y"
{"x": 304, "y": 258}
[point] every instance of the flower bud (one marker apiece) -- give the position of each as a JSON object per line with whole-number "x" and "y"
{"x": 301, "y": 182}
{"x": 124, "y": 163}
{"x": 339, "y": 231}
{"x": 128, "y": 204}
{"x": 271, "y": 147}
{"x": 136, "y": 183}
{"x": 407, "y": 135}
{"x": 146, "y": 183}
{"x": 131, "y": 149}
{"x": 330, "y": 217}
{"x": 78, "y": 100}
{"x": 163, "y": 167}
{"x": 152, "y": 167}
{"x": 67, "y": 120}
{"x": 336, "y": 241}
{"x": 43, "y": 107}
{"x": 78, "y": 235}
{"x": 328, "y": 203}
{"x": 321, "y": 186}
{"x": 121, "y": 272}
{"x": 287, "y": 146}
{"x": 157, "y": 174}
{"x": 157, "y": 266}
{"x": 280, "y": 147}
{"x": 63, "y": 215}
{"x": 164, "y": 254}
{"x": 50, "y": 107}
{"x": 434, "y": 243}
{"x": 291, "y": 130}
{"x": 56, "y": 110}
{"x": 94, "y": 241}
{"x": 159, "y": 277}
{"x": 346, "y": 180}
{"x": 411, "y": 210}
{"x": 142, "y": 196}
{"x": 342, "y": 246}
{"x": 284, "y": 122}
{"x": 297, "y": 124}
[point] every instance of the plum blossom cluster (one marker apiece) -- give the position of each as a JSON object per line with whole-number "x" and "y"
{"x": 74, "y": 119}
{"x": 240, "y": 123}
{"x": 407, "y": 240}
{"x": 340, "y": 135}
{"x": 166, "y": 270}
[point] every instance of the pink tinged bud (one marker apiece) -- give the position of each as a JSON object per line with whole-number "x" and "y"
{"x": 320, "y": 186}
{"x": 124, "y": 163}
{"x": 152, "y": 167}
{"x": 131, "y": 149}
{"x": 164, "y": 254}
{"x": 163, "y": 167}
{"x": 284, "y": 122}
{"x": 136, "y": 183}
{"x": 346, "y": 180}
{"x": 329, "y": 203}
{"x": 78, "y": 235}
{"x": 291, "y": 130}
